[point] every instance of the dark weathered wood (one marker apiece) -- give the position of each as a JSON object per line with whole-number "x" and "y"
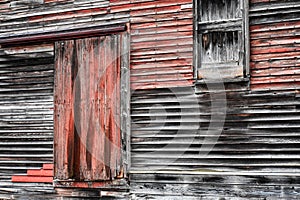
{"x": 257, "y": 136}
{"x": 26, "y": 114}
{"x": 125, "y": 119}
{"x": 219, "y": 10}
{"x": 221, "y": 28}
{"x": 197, "y": 186}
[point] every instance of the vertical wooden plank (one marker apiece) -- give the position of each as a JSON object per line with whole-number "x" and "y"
{"x": 58, "y": 162}
{"x": 68, "y": 107}
{"x": 72, "y": 71}
{"x": 125, "y": 99}
{"x": 102, "y": 114}
{"x": 108, "y": 90}
{"x": 83, "y": 59}
{"x": 96, "y": 161}
{"x": 92, "y": 134}
{"x": 80, "y": 111}
{"x": 77, "y": 109}
{"x": 104, "y": 109}
{"x": 114, "y": 104}
{"x": 246, "y": 30}
{"x": 90, "y": 106}
{"x": 112, "y": 133}
{"x": 62, "y": 115}
{"x": 63, "y": 131}
{"x": 117, "y": 102}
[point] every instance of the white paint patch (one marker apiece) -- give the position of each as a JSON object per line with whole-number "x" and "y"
{"x": 186, "y": 6}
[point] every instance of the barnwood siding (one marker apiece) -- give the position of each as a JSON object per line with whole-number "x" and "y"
{"x": 27, "y": 83}
{"x": 26, "y": 114}
{"x": 161, "y": 43}
{"x": 161, "y": 32}
{"x": 259, "y": 144}
{"x": 275, "y": 52}
{"x": 262, "y": 126}
{"x": 54, "y": 16}
{"x": 257, "y": 154}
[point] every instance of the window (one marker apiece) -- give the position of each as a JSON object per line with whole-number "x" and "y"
{"x": 221, "y": 39}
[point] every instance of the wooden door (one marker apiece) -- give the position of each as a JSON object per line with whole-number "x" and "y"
{"x": 87, "y": 143}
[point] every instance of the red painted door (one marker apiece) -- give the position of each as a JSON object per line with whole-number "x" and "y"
{"x": 87, "y": 135}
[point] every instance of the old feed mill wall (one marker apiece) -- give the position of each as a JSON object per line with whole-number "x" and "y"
{"x": 256, "y": 154}
{"x": 27, "y": 73}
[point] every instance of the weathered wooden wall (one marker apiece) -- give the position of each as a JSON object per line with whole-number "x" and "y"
{"x": 259, "y": 144}
{"x": 275, "y": 44}
{"x": 161, "y": 44}
{"x": 26, "y": 114}
{"x": 27, "y": 83}
{"x": 54, "y": 16}
{"x": 256, "y": 155}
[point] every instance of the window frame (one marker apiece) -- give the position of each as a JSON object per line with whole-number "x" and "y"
{"x": 198, "y": 43}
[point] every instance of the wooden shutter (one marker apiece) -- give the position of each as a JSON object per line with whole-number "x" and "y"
{"x": 87, "y": 109}
{"x": 221, "y": 38}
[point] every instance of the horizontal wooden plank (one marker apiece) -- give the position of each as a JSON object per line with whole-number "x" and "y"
{"x": 54, "y": 36}
{"x": 41, "y": 173}
{"x": 214, "y": 173}
{"x": 32, "y": 179}
{"x": 48, "y": 166}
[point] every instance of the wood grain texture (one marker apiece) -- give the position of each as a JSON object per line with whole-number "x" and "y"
{"x": 256, "y": 153}
{"x": 259, "y": 145}
{"x": 274, "y": 45}
{"x": 26, "y": 114}
{"x": 88, "y": 141}
{"x": 161, "y": 44}
{"x": 221, "y": 39}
